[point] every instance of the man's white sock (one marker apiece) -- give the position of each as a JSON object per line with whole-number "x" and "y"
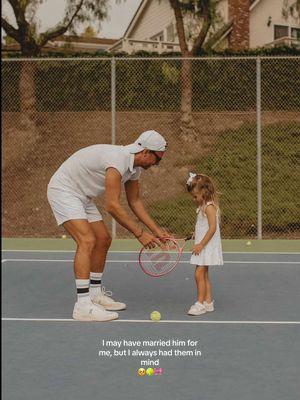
{"x": 95, "y": 283}
{"x": 83, "y": 292}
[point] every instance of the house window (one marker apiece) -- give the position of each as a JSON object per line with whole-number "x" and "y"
{"x": 280, "y": 31}
{"x": 170, "y": 33}
{"x": 296, "y": 33}
{"x": 159, "y": 36}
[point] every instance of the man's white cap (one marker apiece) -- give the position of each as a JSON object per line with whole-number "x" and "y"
{"x": 150, "y": 140}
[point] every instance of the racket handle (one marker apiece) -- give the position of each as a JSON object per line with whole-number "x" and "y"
{"x": 189, "y": 237}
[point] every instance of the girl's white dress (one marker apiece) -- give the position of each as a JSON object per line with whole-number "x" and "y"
{"x": 212, "y": 252}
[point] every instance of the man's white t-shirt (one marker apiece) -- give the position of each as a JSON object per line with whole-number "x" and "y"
{"x": 83, "y": 174}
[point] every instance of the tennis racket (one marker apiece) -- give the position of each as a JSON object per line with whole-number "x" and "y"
{"x": 162, "y": 260}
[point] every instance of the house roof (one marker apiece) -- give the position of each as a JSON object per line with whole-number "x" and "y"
{"x": 144, "y": 3}
{"x": 136, "y": 16}
{"x": 253, "y": 3}
{"x": 219, "y": 35}
{"x": 83, "y": 39}
{"x": 91, "y": 43}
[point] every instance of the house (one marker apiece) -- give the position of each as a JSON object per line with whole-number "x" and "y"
{"x": 82, "y": 43}
{"x": 67, "y": 43}
{"x": 245, "y": 24}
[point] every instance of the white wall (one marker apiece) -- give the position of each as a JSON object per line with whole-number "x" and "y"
{"x": 156, "y": 16}
{"x": 260, "y": 33}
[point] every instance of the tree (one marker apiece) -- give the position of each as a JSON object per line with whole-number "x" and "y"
{"x": 31, "y": 42}
{"x": 191, "y": 41}
{"x": 291, "y": 8}
{"x": 26, "y": 34}
{"x": 89, "y": 32}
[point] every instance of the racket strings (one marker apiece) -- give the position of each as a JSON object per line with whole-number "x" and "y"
{"x": 159, "y": 261}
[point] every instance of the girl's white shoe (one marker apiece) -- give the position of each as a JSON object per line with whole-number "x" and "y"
{"x": 197, "y": 309}
{"x": 209, "y": 306}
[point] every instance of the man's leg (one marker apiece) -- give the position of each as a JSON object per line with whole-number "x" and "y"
{"x": 85, "y": 239}
{"x": 97, "y": 291}
{"x": 82, "y": 233}
{"x": 101, "y": 247}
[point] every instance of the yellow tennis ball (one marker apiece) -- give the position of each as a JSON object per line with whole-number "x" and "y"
{"x": 64, "y": 237}
{"x": 155, "y": 316}
{"x": 248, "y": 243}
{"x": 149, "y": 371}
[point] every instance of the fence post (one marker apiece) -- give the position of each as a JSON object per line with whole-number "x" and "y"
{"x": 113, "y": 125}
{"x": 258, "y": 148}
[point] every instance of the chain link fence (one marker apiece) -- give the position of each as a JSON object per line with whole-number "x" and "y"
{"x": 235, "y": 119}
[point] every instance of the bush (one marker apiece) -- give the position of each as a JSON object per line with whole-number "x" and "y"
{"x": 232, "y": 165}
{"x": 155, "y": 85}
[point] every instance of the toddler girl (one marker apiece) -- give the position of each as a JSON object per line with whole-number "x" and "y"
{"x": 207, "y": 249}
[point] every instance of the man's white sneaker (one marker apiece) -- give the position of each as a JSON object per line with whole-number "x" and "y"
{"x": 197, "y": 309}
{"x": 92, "y": 312}
{"x": 105, "y": 300}
{"x": 209, "y": 306}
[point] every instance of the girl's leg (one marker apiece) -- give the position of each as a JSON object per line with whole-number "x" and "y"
{"x": 208, "y": 295}
{"x": 200, "y": 283}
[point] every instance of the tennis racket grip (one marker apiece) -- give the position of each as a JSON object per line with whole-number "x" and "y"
{"x": 189, "y": 237}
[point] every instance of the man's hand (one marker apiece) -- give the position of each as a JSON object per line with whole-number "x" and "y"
{"x": 148, "y": 240}
{"x": 197, "y": 248}
{"x": 161, "y": 233}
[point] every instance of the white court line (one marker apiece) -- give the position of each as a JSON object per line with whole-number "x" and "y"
{"x": 160, "y": 322}
{"x": 137, "y": 251}
{"x": 136, "y": 261}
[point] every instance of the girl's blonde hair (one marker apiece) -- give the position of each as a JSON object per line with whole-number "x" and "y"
{"x": 204, "y": 185}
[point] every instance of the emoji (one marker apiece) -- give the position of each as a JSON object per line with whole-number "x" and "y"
{"x": 141, "y": 371}
{"x": 149, "y": 371}
{"x": 158, "y": 371}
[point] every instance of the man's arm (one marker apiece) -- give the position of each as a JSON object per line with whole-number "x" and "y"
{"x": 137, "y": 206}
{"x": 113, "y": 206}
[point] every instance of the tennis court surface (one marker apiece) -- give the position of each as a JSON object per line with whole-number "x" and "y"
{"x": 248, "y": 348}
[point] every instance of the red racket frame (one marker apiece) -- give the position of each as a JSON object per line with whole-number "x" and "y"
{"x": 180, "y": 250}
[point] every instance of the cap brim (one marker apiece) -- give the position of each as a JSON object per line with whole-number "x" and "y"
{"x": 134, "y": 148}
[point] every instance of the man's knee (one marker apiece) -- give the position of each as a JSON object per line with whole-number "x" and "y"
{"x": 103, "y": 242}
{"x": 87, "y": 243}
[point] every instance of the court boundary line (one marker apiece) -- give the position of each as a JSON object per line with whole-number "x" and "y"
{"x": 136, "y": 261}
{"x": 159, "y": 322}
{"x": 137, "y": 251}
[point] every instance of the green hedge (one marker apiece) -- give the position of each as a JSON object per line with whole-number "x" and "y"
{"x": 260, "y": 51}
{"x": 155, "y": 85}
{"x": 232, "y": 165}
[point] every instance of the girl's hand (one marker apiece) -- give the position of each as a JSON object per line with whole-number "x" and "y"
{"x": 197, "y": 249}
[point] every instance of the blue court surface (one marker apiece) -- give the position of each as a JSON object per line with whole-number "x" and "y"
{"x": 248, "y": 348}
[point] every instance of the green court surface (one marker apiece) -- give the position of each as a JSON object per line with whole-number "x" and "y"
{"x": 276, "y": 246}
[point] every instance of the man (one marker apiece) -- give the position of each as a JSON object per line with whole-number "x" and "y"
{"x": 88, "y": 173}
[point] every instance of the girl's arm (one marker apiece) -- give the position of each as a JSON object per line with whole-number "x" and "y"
{"x": 211, "y": 213}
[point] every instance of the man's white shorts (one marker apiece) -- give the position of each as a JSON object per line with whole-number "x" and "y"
{"x": 66, "y": 206}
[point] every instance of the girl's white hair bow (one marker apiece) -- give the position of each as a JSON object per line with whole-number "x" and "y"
{"x": 191, "y": 177}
